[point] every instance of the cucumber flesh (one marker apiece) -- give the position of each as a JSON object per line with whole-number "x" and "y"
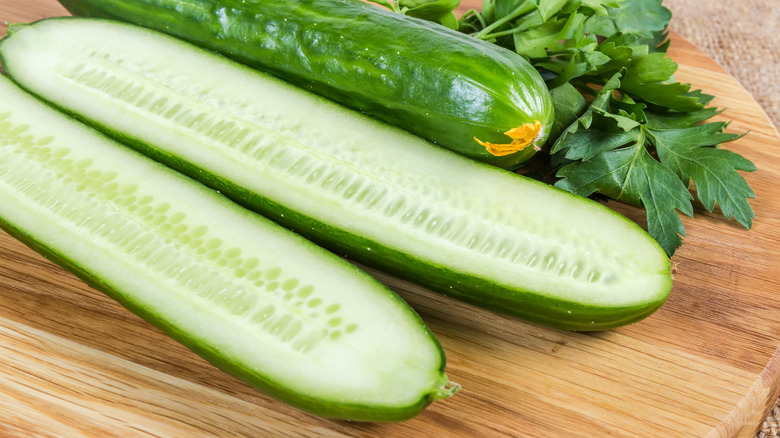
{"x": 251, "y": 297}
{"x": 360, "y": 187}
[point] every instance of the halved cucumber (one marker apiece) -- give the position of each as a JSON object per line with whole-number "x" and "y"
{"x": 253, "y": 298}
{"x": 360, "y": 187}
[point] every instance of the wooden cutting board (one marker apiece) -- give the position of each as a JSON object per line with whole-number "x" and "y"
{"x": 74, "y": 363}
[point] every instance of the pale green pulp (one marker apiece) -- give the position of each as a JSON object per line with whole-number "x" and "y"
{"x": 258, "y": 297}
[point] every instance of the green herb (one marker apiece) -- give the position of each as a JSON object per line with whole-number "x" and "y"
{"x": 623, "y": 150}
{"x": 642, "y": 140}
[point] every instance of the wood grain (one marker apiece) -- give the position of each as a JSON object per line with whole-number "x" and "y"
{"x": 73, "y": 363}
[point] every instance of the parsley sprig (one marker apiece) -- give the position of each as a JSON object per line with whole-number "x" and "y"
{"x": 624, "y": 127}
{"x": 648, "y": 157}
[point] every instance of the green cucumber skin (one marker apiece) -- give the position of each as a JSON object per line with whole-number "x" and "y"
{"x": 529, "y": 306}
{"x": 302, "y": 401}
{"x": 435, "y": 82}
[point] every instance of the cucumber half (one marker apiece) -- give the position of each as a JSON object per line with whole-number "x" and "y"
{"x": 254, "y": 299}
{"x": 357, "y": 186}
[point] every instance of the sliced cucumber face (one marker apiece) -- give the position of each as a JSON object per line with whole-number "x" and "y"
{"x": 251, "y": 297}
{"x": 360, "y": 187}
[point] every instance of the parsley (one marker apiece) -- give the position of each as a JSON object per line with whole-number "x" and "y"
{"x": 621, "y": 149}
{"x": 643, "y": 140}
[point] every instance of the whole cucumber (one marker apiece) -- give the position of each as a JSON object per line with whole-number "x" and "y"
{"x": 467, "y": 95}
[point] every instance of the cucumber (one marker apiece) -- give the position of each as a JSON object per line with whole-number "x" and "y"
{"x": 254, "y": 299}
{"x": 359, "y": 187}
{"x": 440, "y": 84}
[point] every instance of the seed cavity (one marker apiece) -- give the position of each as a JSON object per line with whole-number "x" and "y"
{"x": 377, "y": 188}
{"x": 152, "y": 234}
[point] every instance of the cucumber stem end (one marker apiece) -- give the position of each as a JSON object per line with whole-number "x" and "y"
{"x": 447, "y": 390}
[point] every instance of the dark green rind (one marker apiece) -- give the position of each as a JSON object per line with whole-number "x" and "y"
{"x": 480, "y": 292}
{"x": 435, "y": 82}
{"x": 324, "y": 408}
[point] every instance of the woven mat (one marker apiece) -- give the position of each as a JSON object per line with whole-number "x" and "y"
{"x": 743, "y": 36}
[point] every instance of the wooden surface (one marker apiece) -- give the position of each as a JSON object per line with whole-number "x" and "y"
{"x": 74, "y": 363}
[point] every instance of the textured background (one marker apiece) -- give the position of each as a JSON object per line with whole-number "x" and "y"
{"x": 743, "y": 36}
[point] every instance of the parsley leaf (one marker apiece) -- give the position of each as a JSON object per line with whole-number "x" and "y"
{"x": 689, "y": 153}
{"x": 440, "y": 11}
{"x": 607, "y": 154}
{"x": 644, "y": 18}
{"x": 568, "y": 104}
{"x": 612, "y": 148}
{"x": 629, "y": 174}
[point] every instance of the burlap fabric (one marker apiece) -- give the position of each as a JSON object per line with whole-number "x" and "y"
{"x": 743, "y": 36}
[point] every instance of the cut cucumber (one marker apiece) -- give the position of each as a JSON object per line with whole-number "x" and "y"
{"x": 253, "y": 298}
{"x": 362, "y": 188}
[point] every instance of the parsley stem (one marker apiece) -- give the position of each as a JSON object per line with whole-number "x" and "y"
{"x": 524, "y": 8}
{"x": 502, "y": 33}
{"x": 477, "y": 14}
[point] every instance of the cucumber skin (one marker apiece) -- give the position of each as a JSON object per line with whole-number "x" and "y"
{"x": 422, "y": 78}
{"x": 483, "y": 293}
{"x": 340, "y": 411}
